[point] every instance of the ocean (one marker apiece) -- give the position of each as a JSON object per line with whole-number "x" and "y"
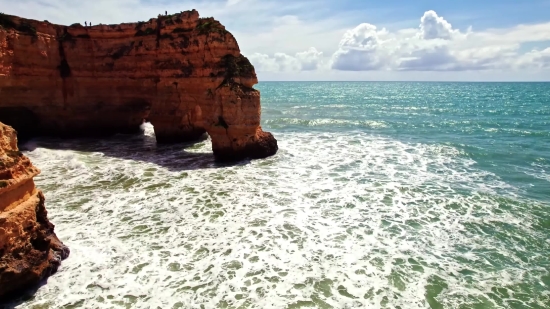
{"x": 382, "y": 195}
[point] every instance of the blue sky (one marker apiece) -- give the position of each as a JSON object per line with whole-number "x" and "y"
{"x": 354, "y": 40}
{"x": 464, "y": 13}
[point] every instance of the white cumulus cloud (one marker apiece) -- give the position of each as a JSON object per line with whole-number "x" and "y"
{"x": 361, "y": 49}
{"x": 436, "y": 46}
{"x": 433, "y": 26}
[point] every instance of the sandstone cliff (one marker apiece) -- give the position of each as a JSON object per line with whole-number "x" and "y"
{"x": 182, "y": 73}
{"x": 29, "y": 249}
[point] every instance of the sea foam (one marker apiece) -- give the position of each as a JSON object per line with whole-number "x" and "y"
{"x": 334, "y": 220}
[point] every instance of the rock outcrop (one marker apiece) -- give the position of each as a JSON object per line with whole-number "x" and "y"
{"x": 182, "y": 73}
{"x": 29, "y": 249}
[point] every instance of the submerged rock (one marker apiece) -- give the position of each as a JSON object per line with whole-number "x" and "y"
{"x": 184, "y": 74}
{"x": 29, "y": 248}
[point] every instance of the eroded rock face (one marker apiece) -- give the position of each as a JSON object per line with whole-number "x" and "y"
{"x": 29, "y": 249}
{"x": 182, "y": 73}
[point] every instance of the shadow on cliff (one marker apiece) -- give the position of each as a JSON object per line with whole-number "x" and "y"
{"x": 138, "y": 147}
{"x": 15, "y": 300}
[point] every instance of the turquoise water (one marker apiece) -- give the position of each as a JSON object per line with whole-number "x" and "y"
{"x": 383, "y": 195}
{"x": 504, "y": 127}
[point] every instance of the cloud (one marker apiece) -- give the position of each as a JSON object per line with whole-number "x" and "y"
{"x": 436, "y": 46}
{"x": 279, "y": 62}
{"x": 438, "y": 58}
{"x": 286, "y": 62}
{"x": 361, "y": 49}
{"x": 434, "y": 27}
{"x": 535, "y": 59}
{"x": 308, "y": 60}
{"x": 365, "y": 48}
{"x": 232, "y": 2}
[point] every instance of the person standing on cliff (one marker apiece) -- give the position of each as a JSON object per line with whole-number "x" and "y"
{"x": 85, "y": 24}
{"x": 165, "y": 12}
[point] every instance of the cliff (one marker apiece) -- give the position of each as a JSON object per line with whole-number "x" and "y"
{"x": 29, "y": 249}
{"x": 182, "y": 73}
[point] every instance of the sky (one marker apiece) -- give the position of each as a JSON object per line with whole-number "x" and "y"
{"x": 424, "y": 40}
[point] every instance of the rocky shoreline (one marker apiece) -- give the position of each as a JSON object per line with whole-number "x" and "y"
{"x": 29, "y": 249}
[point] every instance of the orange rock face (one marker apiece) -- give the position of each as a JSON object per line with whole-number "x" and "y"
{"x": 182, "y": 73}
{"x": 29, "y": 249}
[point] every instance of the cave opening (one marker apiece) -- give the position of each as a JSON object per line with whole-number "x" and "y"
{"x": 22, "y": 119}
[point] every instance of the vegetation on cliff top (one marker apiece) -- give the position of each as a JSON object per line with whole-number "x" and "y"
{"x": 6, "y": 22}
{"x": 208, "y": 25}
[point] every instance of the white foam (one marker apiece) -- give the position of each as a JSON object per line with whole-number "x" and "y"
{"x": 537, "y": 170}
{"x": 333, "y": 220}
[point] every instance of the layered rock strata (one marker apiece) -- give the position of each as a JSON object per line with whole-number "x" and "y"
{"x": 182, "y": 73}
{"x": 29, "y": 248}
